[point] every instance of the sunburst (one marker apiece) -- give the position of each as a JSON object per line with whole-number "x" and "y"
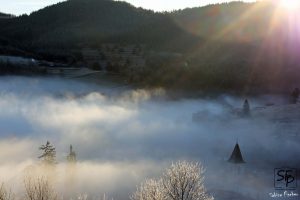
{"x": 290, "y": 5}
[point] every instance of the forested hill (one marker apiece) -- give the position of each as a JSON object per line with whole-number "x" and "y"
{"x": 230, "y": 45}
{"x": 76, "y": 23}
{"x": 245, "y": 44}
{"x": 228, "y": 21}
{"x": 4, "y": 15}
{"x": 91, "y": 22}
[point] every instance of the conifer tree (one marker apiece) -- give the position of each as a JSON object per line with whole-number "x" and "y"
{"x": 49, "y": 154}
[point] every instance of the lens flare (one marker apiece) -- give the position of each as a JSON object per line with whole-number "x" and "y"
{"x": 290, "y": 5}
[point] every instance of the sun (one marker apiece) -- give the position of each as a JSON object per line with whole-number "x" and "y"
{"x": 290, "y": 5}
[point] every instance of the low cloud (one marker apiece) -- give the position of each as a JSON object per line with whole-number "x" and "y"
{"x": 122, "y": 138}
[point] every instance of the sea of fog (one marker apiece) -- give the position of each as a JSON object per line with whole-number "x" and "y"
{"x": 123, "y": 136}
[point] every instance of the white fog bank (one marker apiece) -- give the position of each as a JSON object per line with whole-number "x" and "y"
{"x": 123, "y": 137}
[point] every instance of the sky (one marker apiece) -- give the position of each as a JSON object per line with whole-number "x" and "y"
{"x": 19, "y": 7}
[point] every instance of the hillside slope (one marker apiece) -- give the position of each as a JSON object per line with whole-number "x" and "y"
{"x": 233, "y": 45}
{"x": 5, "y": 15}
{"x": 90, "y": 22}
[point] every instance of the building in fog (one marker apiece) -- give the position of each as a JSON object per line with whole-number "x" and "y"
{"x": 71, "y": 158}
{"x": 236, "y": 156}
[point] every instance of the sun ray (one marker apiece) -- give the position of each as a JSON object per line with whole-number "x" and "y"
{"x": 289, "y": 5}
{"x": 238, "y": 22}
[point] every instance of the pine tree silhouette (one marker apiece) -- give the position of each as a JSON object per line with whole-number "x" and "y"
{"x": 49, "y": 154}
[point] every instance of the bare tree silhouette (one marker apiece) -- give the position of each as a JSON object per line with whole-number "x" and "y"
{"x": 39, "y": 189}
{"x": 5, "y": 194}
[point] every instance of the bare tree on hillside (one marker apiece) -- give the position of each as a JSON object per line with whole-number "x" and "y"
{"x": 182, "y": 181}
{"x": 150, "y": 190}
{"x": 6, "y": 195}
{"x": 185, "y": 181}
{"x": 39, "y": 189}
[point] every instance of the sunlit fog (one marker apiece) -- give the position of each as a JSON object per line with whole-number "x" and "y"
{"x": 122, "y": 136}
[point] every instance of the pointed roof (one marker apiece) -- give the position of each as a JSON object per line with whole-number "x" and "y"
{"x": 72, "y": 155}
{"x": 246, "y": 107}
{"x": 236, "y": 156}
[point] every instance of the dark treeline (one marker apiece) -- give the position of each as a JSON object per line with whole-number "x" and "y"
{"x": 4, "y": 15}
{"x": 8, "y": 68}
{"x": 77, "y": 23}
{"x": 223, "y": 46}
